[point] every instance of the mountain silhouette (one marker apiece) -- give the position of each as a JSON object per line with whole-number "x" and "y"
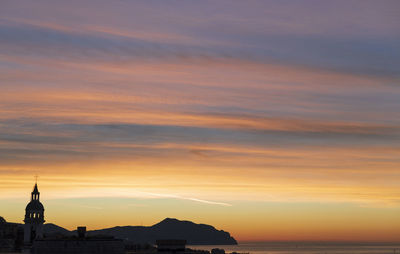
{"x": 53, "y": 229}
{"x": 195, "y": 234}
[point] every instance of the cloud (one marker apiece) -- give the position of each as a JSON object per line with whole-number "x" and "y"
{"x": 280, "y": 101}
{"x": 186, "y": 198}
{"x": 91, "y": 207}
{"x": 15, "y": 172}
{"x": 243, "y": 38}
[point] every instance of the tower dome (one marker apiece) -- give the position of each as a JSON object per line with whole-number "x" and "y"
{"x": 34, "y": 206}
{"x": 34, "y": 211}
{"x": 34, "y": 218}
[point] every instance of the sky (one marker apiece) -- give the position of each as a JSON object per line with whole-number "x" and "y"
{"x": 273, "y": 120}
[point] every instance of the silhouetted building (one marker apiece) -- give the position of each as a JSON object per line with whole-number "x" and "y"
{"x": 34, "y": 219}
{"x": 80, "y": 244}
{"x": 11, "y": 236}
{"x": 81, "y": 232}
{"x": 217, "y": 251}
{"x": 35, "y": 243}
{"x": 171, "y": 245}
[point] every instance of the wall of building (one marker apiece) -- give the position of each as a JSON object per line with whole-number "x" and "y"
{"x": 78, "y": 247}
{"x": 10, "y": 237}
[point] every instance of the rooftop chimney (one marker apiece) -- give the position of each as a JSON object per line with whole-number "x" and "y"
{"x": 81, "y": 232}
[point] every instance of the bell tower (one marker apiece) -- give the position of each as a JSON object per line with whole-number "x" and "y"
{"x": 34, "y": 218}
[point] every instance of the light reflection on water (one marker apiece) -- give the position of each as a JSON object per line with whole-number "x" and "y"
{"x": 309, "y": 248}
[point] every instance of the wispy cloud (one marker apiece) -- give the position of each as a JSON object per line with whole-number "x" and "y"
{"x": 261, "y": 101}
{"x": 186, "y": 198}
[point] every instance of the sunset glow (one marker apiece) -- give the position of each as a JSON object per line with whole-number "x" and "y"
{"x": 273, "y": 120}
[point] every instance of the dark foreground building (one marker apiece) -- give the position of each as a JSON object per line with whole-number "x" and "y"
{"x": 34, "y": 219}
{"x": 35, "y": 242}
{"x": 171, "y": 245}
{"x": 11, "y": 236}
{"x": 78, "y": 245}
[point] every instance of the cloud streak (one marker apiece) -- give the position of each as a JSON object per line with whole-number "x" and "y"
{"x": 194, "y": 102}
{"x": 186, "y": 198}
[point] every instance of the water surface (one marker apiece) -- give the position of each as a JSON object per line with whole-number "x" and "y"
{"x": 309, "y": 247}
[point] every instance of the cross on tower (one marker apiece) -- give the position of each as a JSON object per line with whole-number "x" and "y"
{"x": 36, "y": 177}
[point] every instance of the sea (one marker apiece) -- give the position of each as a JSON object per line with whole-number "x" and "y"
{"x": 306, "y": 247}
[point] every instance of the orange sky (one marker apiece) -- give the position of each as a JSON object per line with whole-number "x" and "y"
{"x": 272, "y": 121}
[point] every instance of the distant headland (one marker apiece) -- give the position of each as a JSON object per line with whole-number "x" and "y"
{"x": 194, "y": 234}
